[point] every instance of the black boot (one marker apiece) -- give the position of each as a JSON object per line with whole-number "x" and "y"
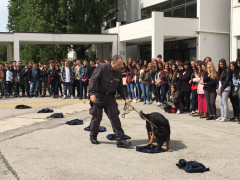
{"x": 123, "y": 144}
{"x": 94, "y": 140}
{"x": 210, "y": 118}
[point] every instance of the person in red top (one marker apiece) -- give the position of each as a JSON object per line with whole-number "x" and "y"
{"x": 164, "y": 83}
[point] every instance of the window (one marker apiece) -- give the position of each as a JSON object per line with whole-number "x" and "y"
{"x": 173, "y": 8}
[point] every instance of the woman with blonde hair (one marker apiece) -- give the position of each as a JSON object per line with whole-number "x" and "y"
{"x": 210, "y": 83}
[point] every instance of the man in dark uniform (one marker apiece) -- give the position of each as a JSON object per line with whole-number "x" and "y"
{"x": 105, "y": 81}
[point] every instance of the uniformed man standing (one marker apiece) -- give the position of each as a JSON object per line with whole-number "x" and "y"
{"x": 105, "y": 81}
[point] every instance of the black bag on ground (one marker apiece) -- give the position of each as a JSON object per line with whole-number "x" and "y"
{"x": 75, "y": 122}
{"x": 192, "y": 166}
{"x": 150, "y": 148}
{"x": 46, "y": 110}
{"x": 22, "y": 107}
{"x": 56, "y": 115}
{"x": 101, "y": 128}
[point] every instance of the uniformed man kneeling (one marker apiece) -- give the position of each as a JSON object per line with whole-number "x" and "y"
{"x": 105, "y": 81}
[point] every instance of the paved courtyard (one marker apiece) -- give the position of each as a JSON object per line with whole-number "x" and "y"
{"x": 34, "y": 147}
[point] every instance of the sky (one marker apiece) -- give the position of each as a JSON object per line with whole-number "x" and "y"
{"x": 3, "y": 15}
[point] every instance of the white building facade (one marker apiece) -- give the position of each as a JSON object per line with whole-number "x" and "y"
{"x": 235, "y": 30}
{"x": 176, "y": 29}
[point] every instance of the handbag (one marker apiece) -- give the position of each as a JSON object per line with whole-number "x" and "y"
{"x": 130, "y": 79}
{"x": 49, "y": 79}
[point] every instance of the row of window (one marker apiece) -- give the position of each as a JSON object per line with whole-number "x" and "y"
{"x": 173, "y": 8}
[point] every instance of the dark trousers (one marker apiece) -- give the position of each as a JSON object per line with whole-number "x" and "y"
{"x": 22, "y": 88}
{"x": 83, "y": 87}
{"x": 74, "y": 84}
{"x": 27, "y": 87}
{"x": 158, "y": 95}
{"x": 154, "y": 92}
{"x": 78, "y": 87}
{"x": 164, "y": 90}
{"x": 211, "y": 99}
{"x": 9, "y": 87}
{"x": 185, "y": 98}
{"x": 40, "y": 88}
{"x": 235, "y": 102}
{"x": 17, "y": 88}
{"x": 194, "y": 100}
{"x": 55, "y": 86}
{"x": 109, "y": 105}
{"x": 44, "y": 88}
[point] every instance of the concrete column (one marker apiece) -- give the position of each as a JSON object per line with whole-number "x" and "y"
{"x": 100, "y": 51}
{"x": 16, "y": 50}
{"x": 114, "y": 48}
{"x": 107, "y": 51}
{"x": 9, "y": 53}
{"x": 234, "y": 49}
{"x": 157, "y": 35}
{"x": 122, "y": 50}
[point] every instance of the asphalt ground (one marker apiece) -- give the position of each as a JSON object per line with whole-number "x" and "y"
{"x": 35, "y": 147}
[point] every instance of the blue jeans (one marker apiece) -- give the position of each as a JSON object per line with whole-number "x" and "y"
{"x": 164, "y": 90}
{"x": 130, "y": 88}
{"x": 139, "y": 91}
{"x": 67, "y": 85}
{"x": 145, "y": 91}
{"x": 1, "y": 89}
{"x": 34, "y": 87}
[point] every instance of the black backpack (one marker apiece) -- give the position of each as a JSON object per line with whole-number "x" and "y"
{"x": 192, "y": 166}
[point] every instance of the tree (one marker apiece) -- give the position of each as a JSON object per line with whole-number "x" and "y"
{"x": 57, "y": 16}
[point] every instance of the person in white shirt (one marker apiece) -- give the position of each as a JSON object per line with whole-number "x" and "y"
{"x": 67, "y": 79}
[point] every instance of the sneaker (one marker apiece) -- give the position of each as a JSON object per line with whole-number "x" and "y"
{"x": 178, "y": 111}
{"x": 134, "y": 100}
{"x": 158, "y": 104}
{"x": 72, "y": 97}
{"x": 155, "y": 102}
{"x": 218, "y": 119}
{"x": 144, "y": 103}
{"x": 224, "y": 119}
{"x": 150, "y": 102}
{"x": 64, "y": 97}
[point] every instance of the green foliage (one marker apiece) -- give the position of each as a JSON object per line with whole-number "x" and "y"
{"x": 57, "y": 16}
{"x": 3, "y": 54}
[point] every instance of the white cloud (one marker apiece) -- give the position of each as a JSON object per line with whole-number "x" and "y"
{"x": 3, "y": 15}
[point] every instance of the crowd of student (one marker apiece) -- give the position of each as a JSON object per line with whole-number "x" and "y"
{"x": 179, "y": 86}
{"x": 34, "y": 80}
{"x": 175, "y": 86}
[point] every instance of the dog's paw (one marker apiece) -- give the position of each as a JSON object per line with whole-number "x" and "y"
{"x": 169, "y": 150}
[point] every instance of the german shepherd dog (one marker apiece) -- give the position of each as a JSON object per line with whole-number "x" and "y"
{"x": 160, "y": 134}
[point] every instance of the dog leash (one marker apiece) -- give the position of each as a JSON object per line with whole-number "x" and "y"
{"x": 127, "y": 110}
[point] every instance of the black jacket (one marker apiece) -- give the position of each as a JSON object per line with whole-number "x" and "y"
{"x": 44, "y": 75}
{"x": 227, "y": 77}
{"x": 25, "y": 75}
{"x": 105, "y": 80}
{"x": 185, "y": 78}
{"x": 211, "y": 84}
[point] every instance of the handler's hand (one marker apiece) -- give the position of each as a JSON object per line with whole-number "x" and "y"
{"x": 93, "y": 98}
{"x": 128, "y": 102}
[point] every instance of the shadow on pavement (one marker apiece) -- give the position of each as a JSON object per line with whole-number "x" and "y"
{"x": 177, "y": 145}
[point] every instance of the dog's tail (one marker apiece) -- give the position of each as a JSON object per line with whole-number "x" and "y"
{"x": 142, "y": 115}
